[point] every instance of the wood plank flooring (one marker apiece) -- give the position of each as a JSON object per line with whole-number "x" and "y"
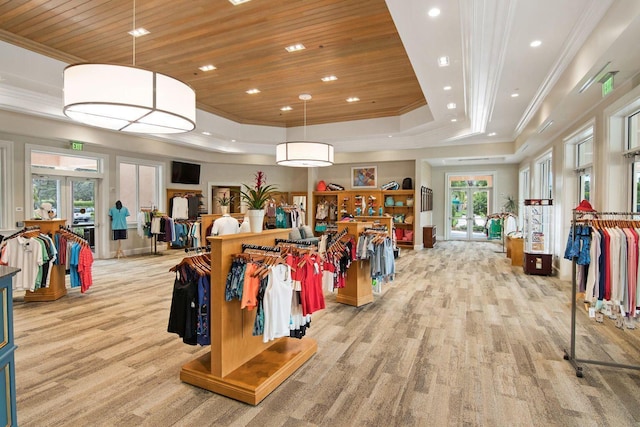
{"x": 459, "y": 338}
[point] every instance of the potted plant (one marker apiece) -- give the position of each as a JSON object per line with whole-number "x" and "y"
{"x": 255, "y": 197}
{"x": 511, "y": 205}
{"x": 224, "y": 201}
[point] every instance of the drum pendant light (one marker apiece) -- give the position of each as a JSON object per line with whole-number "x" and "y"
{"x": 304, "y": 154}
{"x": 128, "y": 98}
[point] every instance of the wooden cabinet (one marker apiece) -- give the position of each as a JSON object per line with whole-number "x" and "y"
{"x": 429, "y": 236}
{"x": 515, "y": 250}
{"x": 7, "y": 349}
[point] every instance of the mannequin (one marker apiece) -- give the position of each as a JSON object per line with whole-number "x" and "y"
{"x": 226, "y": 224}
{"x": 119, "y": 214}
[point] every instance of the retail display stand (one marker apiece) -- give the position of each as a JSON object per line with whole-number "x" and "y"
{"x": 538, "y": 241}
{"x": 240, "y": 365}
{"x": 57, "y": 288}
{"x": 358, "y": 290}
{"x": 570, "y": 355}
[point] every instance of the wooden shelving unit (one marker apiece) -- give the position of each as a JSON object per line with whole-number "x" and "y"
{"x": 347, "y": 202}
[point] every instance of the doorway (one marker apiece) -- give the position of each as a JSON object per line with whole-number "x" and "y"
{"x": 71, "y": 198}
{"x": 469, "y": 201}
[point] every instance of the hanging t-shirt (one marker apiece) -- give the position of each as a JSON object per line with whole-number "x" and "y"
{"x": 118, "y": 218}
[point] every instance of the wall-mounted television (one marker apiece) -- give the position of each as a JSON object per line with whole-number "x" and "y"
{"x": 185, "y": 173}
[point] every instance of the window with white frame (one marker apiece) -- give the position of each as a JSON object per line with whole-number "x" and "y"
{"x": 6, "y": 178}
{"x": 545, "y": 177}
{"x": 139, "y": 184}
{"x": 633, "y": 146}
{"x": 523, "y": 194}
{"x": 584, "y": 162}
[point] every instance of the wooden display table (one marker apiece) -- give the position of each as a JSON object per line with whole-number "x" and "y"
{"x": 57, "y": 288}
{"x": 240, "y": 365}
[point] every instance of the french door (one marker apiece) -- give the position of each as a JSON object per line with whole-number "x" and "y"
{"x": 468, "y": 210}
{"x": 72, "y": 198}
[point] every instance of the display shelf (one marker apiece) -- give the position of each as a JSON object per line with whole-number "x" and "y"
{"x": 429, "y": 236}
{"x": 538, "y": 239}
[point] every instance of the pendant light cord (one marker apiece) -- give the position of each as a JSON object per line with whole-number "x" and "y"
{"x": 134, "y": 37}
{"x": 305, "y": 120}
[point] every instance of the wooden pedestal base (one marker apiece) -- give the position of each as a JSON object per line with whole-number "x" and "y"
{"x": 354, "y": 300}
{"x": 253, "y": 381}
{"x": 45, "y": 294}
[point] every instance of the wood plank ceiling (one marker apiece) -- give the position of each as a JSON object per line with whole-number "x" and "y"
{"x": 354, "y": 40}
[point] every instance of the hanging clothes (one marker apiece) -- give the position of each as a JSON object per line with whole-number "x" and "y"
{"x": 189, "y": 314}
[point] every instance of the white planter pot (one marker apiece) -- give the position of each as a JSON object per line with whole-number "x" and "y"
{"x": 224, "y": 210}
{"x": 256, "y": 220}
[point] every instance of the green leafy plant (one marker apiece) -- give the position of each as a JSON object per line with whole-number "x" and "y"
{"x": 256, "y": 196}
{"x": 224, "y": 200}
{"x": 511, "y": 205}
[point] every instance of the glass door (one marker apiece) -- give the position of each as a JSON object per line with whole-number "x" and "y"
{"x": 46, "y": 192}
{"x": 70, "y": 198}
{"x": 468, "y": 211}
{"x": 83, "y": 205}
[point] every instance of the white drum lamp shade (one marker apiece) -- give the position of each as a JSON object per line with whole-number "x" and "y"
{"x": 304, "y": 154}
{"x": 128, "y": 99}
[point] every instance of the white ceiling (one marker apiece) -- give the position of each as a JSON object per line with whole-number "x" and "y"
{"x": 487, "y": 42}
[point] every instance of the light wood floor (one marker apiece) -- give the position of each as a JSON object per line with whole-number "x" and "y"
{"x": 460, "y": 338}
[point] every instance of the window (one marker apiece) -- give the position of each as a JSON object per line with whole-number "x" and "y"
{"x": 523, "y": 194}
{"x": 545, "y": 177}
{"x": 584, "y": 160}
{"x": 139, "y": 184}
{"x": 633, "y": 131}
{"x": 6, "y": 178}
{"x": 633, "y": 146}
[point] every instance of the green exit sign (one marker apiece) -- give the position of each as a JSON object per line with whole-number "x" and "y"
{"x": 607, "y": 86}
{"x": 78, "y": 146}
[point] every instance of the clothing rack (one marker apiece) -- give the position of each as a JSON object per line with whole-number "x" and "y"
{"x": 246, "y": 246}
{"x": 198, "y": 249}
{"x": 240, "y": 365}
{"x": 57, "y": 287}
{"x": 571, "y": 354}
{"x": 67, "y": 229}
{"x": 294, "y": 242}
{"x": 24, "y": 230}
{"x": 357, "y": 290}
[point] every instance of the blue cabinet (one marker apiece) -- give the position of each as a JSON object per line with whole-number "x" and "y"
{"x": 7, "y": 348}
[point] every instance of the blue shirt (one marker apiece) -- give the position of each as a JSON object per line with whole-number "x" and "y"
{"x": 118, "y": 218}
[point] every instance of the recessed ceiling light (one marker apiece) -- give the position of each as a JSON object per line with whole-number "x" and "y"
{"x": 443, "y": 61}
{"x": 390, "y": 136}
{"x": 206, "y": 133}
{"x": 451, "y": 105}
{"x": 207, "y": 67}
{"x": 295, "y": 47}
{"x": 353, "y": 99}
{"x": 233, "y": 140}
{"x": 515, "y": 95}
{"x": 446, "y": 88}
{"x": 492, "y": 134}
{"x": 329, "y": 78}
{"x": 434, "y": 12}
{"x": 237, "y": 2}
{"x": 138, "y": 32}
{"x": 287, "y": 108}
{"x": 253, "y": 91}
{"x": 535, "y": 43}
{"x": 454, "y": 120}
